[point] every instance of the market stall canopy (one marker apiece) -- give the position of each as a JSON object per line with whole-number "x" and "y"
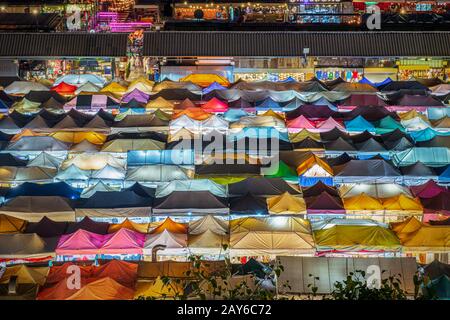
{"x": 206, "y": 79}
{"x": 286, "y": 204}
{"x": 274, "y": 235}
{"x": 47, "y": 228}
{"x": 9, "y": 224}
{"x": 167, "y": 188}
{"x": 24, "y": 87}
{"x": 26, "y": 246}
{"x": 261, "y": 187}
{"x": 353, "y": 238}
{"x": 376, "y": 190}
{"x": 158, "y": 173}
{"x": 25, "y": 274}
{"x": 64, "y": 88}
{"x": 60, "y": 189}
{"x": 198, "y": 202}
{"x": 33, "y": 209}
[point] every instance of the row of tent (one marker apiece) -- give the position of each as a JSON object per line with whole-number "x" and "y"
{"x": 85, "y": 168}
{"x": 204, "y": 83}
{"x": 217, "y": 101}
{"x": 250, "y": 197}
{"x": 250, "y": 236}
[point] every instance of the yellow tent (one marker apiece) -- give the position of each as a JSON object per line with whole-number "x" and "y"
{"x": 205, "y": 79}
{"x": 402, "y": 204}
{"x": 363, "y": 202}
{"x": 273, "y": 235}
{"x": 418, "y": 237}
{"x": 93, "y": 161}
{"x": 182, "y": 133}
{"x": 411, "y": 114}
{"x": 77, "y": 137}
{"x": 356, "y": 238}
{"x": 404, "y": 229}
{"x": 314, "y": 166}
{"x": 10, "y": 224}
{"x": 141, "y": 84}
{"x": 25, "y": 274}
{"x": 158, "y": 289}
{"x": 286, "y": 204}
{"x": 302, "y": 135}
{"x": 130, "y": 225}
{"x": 114, "y": 88}
{"x": 224, "y": 180}
{"x": 159, "y": 103}
{"x": 25, "y": 106}
{"x": 271, "y": 113}
{"x": 26, "y": 133}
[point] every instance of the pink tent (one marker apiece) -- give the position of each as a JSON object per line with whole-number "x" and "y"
{"x": 430, "y": 189}
{"x": 79, "y": 242}
{"x": 328, "y": 125}
{"x": 137, "y": 95}
{"x": 83, "y": 242}
{"x": 300, "y": 122}
{"x": 124, "y": 241}
{"x": 215, "y": 105}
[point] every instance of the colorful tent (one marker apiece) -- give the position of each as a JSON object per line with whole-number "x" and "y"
{"x": 363, "y": 203}
{"x": 206, "y": 79}
{"x": 25, "y": 274}
{"x": 64, "y": 88}
{"x": 355, "y": 238}
{"x": 10, "y": 224}
{"x": 158, "y": 289}
{"x": 286, "y": 204}
{"x": 215, "y": 105}
{"x": 274, "y": 235}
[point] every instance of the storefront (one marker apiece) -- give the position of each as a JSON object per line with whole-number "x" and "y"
{"x": 322, "y": 11}
{"x": 273, "y": 69}
{"x": 404, "y": 7}
{"x": 232, "y": 12}
{"x": 55, "y": 68}
{"x": 421, "y": 68}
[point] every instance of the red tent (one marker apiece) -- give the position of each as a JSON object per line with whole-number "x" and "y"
{"x": 215, "y": 105}
{"x": 65, "y": 88}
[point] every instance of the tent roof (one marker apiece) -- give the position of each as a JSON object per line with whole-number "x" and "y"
{"x": 171, "y": 226}
{"x": 286, "y": 204}
{"x": 27, "y": 245}
{"x": 247, "y": 204}
{"x": 10, "y": 224}
{"x": 356, "y": 238}
{"x": 47, "y": 228}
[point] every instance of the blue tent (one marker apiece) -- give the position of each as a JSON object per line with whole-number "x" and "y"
{"x": 426, "y": 134}
{"x": 438, "y": 113}
{"x": 234, "y": 114}
{"x": 439, "y": 288}
{"x": 364, "y": 80}
{"x": 268, "y": 104}
{"x": 176, "y": 156}
{"x": 287, "y": 80}
{"x": 444, "y": 177}
{"x": 359, "y": 124}
{"x": 60, "y": 189}
{"x": 382, "y": 83}
{"x": 213, "y": 86}
{"x": 310, "y": 181}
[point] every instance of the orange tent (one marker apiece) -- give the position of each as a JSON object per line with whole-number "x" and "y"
{"x": 26, "y": 133}
{"x": 10, "y": 224}
{"x": 311, "y": 162}
{"x": 122, "y": 272}
{"x": 215, "y": 105}
{"x": 193, "y": 113}
{"x": 406, "y": 228}
{"x": 362, "y": 203}
{"x": 206, "y": 79}
{"x": 170, "y": 226}
{"x": 101, "y": 289}
{"x": 130, "y": 225}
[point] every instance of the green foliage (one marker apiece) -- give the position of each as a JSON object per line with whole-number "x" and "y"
{"x": 221, "y": 284}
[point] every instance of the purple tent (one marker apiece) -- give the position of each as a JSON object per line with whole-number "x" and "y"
{"x": 137, "y": 95}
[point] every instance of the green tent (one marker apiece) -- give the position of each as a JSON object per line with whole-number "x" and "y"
{"x": 433, "y": 157}
{"x": 388, "y": 124}
{"x": 438, "y": 288}
{"x": 281, "y": 171}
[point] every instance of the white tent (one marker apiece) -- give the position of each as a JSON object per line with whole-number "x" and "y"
{"x": 376, "y": 190}
{"x": 99, "y": 186}
{"x": 24, "y": 87}
{"x": 157, "y": 173}
{"x": 45, "y": 160}
{"x": 176, "y": 243}
{"x": 166, "y": 188}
